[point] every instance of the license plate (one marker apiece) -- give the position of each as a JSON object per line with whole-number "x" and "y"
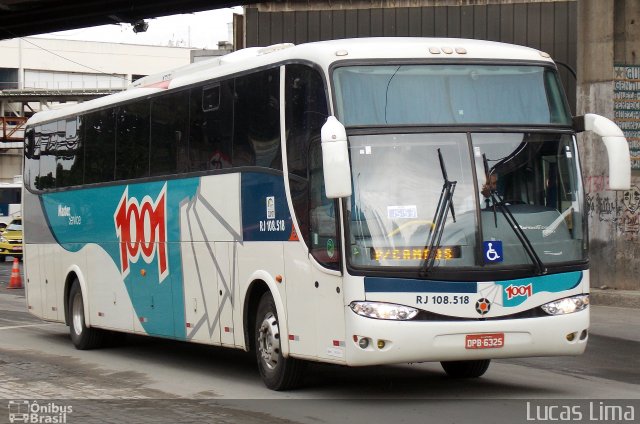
{"x": 484, "y": 341}
{"x": 17, "y": 248}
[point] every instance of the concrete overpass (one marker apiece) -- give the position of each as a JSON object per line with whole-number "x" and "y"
{"x": 19, "y": 18}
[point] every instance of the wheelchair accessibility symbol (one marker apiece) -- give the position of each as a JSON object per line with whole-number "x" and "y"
{"x": 492, "y": 251}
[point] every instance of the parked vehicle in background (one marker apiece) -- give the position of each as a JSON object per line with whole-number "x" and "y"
{"x": 10, "y": 200}
{"x": 11, "y": 240}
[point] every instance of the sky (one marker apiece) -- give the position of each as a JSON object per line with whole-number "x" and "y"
{"x": 197, "y": 30}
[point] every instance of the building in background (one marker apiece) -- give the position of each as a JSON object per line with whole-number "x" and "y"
{"x": 599, "y": 40}
{"x": 39, "y": 73}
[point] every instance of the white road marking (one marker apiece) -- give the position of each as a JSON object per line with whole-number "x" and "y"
{"x": 28, "y": 325}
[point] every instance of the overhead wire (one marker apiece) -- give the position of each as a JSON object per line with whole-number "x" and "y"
{"x": 62, "y": 57}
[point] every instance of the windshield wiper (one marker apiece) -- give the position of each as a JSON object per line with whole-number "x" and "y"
{"x": 445, "y": 204}
{"x": 513, "y": 223}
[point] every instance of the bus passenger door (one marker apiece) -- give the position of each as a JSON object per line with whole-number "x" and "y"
{"x": 325, "y": 263}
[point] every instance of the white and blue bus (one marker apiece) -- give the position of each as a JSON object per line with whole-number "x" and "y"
{"x": 357, "y": 202}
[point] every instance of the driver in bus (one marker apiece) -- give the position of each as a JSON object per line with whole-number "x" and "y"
{"x": 490, "y": 186}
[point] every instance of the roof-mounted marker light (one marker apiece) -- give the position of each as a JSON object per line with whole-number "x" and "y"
{"x": 274, "y": 48}
{"x": 545, "y": 55}
{"x": 342, "y": 53}
{"x": 461, "y": 50}
{"x": 434, "y": 50}
{"x": 447, "y": 50}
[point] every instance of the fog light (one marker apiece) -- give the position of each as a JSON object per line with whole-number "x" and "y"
{"x": 363, "y": 343}
{"x": 381, "y": 344}
{"x": 584, "y": 334}
{"x": 571, "y": 336}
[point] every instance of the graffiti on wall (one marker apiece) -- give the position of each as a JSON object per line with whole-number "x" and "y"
{"x": 629, "y": 220}
{"x": 620, "y": 210}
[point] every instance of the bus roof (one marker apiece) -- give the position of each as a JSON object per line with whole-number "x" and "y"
{"x": 323, "y": 53}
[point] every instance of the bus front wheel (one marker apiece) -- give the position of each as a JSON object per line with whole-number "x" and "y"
{"x": 278, "y": 372}
{"x": 466, "y": 369}
{"x": 82, "y": 337}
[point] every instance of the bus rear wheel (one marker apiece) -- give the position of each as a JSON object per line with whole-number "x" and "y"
{"x": 466, "y": 369}
{"x": 277, "y": 372}
{"x": 82, "y": 337}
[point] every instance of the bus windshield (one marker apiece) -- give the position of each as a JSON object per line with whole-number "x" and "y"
{"x": 398, "y": 181}
{"x": 449, "y": 94}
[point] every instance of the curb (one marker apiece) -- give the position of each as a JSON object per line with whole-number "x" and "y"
{"x": 617, "y": 298}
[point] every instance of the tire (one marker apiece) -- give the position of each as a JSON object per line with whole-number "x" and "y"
{"x": 277, "y": 372}
{"x": 82, "y": 337}
{"x": 466, "y": 369}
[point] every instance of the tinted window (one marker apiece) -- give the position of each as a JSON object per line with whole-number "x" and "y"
{"x": 48, "y": 147}
{"x": 257, "y": 120}
{"x": 132, "y": 141}
{"x": 211, "y": 97}
{"x": 70, "y": 154}
{"x": 169, "y": 128}
{"x": 32, "y": 156}
{"x": 100, "y": 146}
{"x": 211, "y": 131}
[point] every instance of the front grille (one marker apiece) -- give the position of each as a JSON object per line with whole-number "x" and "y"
{"x": 15, "y": 241}
{"x": 430, "y": 316}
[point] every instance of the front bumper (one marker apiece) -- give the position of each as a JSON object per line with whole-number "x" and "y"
{"x": 11, "y": 249}
{"x": 424, "y": 341}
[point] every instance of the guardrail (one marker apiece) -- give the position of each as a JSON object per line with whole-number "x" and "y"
{"x": 12, "y": 128}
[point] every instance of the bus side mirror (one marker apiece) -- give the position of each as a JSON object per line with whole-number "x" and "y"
{"x": 616, "y": 144}
{"x": 335, "y": 159}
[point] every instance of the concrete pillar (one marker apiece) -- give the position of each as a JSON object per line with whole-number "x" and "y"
{"x": 607, "y": 34}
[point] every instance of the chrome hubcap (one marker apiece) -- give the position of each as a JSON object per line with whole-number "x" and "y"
{"x": 77, "y": 313}
{"x": 269, "y": 341}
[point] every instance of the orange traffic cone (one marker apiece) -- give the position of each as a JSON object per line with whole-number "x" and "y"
{"x": 16, "y": 281}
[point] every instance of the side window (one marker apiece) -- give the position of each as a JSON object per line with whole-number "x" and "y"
{"x": 306, "y": 112}
{"x": 70, "y": 154}
{"x": 256, "y": 139}
{"x": 100, "y": 147}
{"x": 211, "y": 132}
{"x": 132, "y": 141}
{"x": 32, "y": 156}
{"x": 169, "y": 126}
{"x": 48, "y": 148}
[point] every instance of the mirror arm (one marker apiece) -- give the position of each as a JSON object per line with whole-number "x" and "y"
{"x": 616, "y": 145}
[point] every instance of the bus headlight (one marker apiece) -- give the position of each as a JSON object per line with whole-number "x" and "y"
{"x": 568, "y": 305}
{"x": 381, "y": 310}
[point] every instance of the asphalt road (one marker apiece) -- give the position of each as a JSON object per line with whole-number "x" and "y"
{"x": 140, "y": 379}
